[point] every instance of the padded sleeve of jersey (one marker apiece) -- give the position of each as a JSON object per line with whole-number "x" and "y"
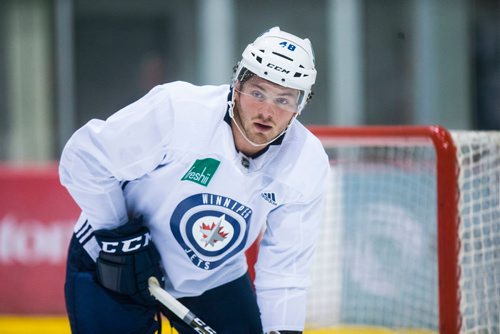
{"x": 284, "y": 261}
{"x": 101, "y": 154}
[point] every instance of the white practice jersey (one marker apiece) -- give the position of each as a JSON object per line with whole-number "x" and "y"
{"x": 171, "y": 157}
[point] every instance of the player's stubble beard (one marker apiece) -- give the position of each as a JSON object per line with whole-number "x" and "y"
{"x": 257, "y": 139}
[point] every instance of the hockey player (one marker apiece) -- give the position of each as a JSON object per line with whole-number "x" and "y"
{"x": 179, "y": 184}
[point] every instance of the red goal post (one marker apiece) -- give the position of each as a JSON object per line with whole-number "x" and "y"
{"x": 454, "y": 153}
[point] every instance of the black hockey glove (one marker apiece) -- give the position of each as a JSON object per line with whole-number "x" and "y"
{"x": 127, "y": 259}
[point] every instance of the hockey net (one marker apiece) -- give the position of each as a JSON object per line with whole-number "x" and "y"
{"x": 411, "y": 238}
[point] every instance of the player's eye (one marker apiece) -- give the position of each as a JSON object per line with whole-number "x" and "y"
{"x": 257, "y": 94}
{"x": 282, "y": 101}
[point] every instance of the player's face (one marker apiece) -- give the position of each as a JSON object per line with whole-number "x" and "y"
{"x": 264, "y": 109}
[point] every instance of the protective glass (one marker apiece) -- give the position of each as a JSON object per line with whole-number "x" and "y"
{"x": 286, "y": 102}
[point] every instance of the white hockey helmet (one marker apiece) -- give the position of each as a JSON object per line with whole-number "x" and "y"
{"x": 283, "y": 59}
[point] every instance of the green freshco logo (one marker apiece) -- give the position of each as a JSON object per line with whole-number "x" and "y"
{"x": 202, "y": 171}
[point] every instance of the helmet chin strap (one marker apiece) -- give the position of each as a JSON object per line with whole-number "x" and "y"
{"x": 231, "y": 114}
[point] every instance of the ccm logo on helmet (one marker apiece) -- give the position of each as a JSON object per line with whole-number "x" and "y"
{"x": 126, "y": 246}
{"x": 277, "y": 68}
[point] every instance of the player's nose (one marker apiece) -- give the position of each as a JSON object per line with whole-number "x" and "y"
{"x": 268, "y": 110}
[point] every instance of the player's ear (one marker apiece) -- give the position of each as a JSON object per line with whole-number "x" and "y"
{"x": 237, "y": 88}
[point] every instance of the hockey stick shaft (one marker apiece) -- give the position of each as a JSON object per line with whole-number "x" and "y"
{"x": 178, "y": 308}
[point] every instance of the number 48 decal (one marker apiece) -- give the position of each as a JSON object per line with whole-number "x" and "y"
{"x": 289, "y": 46}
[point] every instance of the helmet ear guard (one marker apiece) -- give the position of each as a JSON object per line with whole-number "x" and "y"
{"x": 283, "y": 59}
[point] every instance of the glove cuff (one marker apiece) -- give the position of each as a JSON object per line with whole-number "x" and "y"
{"x": 123, "y": 240}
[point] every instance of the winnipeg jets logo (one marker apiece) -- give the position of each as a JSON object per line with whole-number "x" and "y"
{"x": 214, "y": 233}
{"x": 210, "y": 228}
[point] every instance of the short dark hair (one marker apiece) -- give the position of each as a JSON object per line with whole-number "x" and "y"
{"x": 244, "y": 75}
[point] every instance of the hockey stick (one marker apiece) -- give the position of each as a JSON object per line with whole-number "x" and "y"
{"x": 177, "y": 308}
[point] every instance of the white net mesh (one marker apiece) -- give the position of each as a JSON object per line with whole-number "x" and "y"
{"x": 479, "y": 183}
{"x": 377, "y": 259}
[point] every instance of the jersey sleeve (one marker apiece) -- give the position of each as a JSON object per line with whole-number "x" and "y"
{"x": 103, "y": 154}
{"x": 287, "y": 246}
{"x": 284, "y": 261}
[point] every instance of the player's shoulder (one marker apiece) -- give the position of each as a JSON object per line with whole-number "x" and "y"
{"x": 303, "y": 164}
{"x": 185, "y": 91}
{"x": 196, "y": 111}
{"x": 308, "y": 148}
{"x": 313, "y": 145}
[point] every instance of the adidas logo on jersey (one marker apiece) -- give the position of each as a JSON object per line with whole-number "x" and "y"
{"x": 270, "y": 197}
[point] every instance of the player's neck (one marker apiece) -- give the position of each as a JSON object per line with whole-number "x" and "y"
{"x": 241, "y": 143}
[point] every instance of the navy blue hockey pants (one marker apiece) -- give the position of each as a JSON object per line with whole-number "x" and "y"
{"x": 228, "y": 309}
